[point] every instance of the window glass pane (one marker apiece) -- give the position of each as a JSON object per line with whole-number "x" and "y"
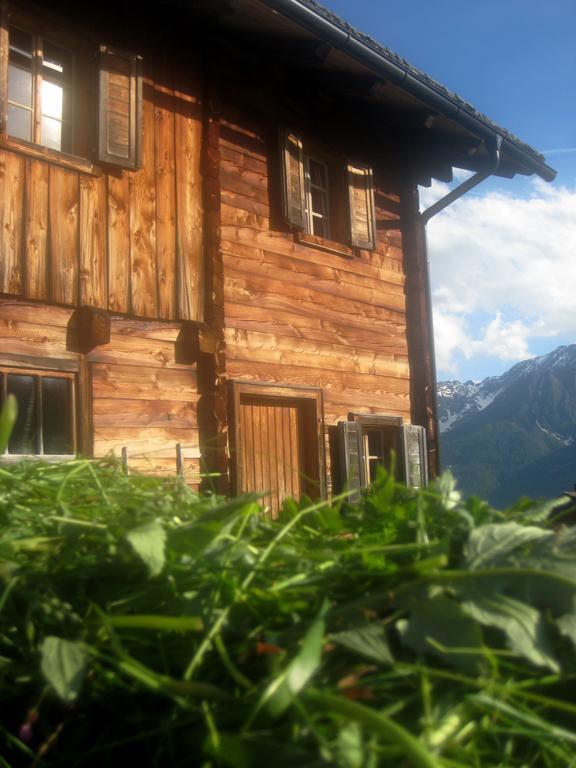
{"x": 56, "y": 416}
{"x": 319, "y": 228}
{"x": 20, "y": 44}
{"x": 20, "y": 85}
{"x": 57, "y": 62}
{"x": 318, "y": 174}
{"x": 52, "y": 99}
{"x": 375, "y": 443}
{"x": 51, "y": 133}
{"x": 19, "y": 122}
{"x": 23, "y": 439}
{"x": 318, "y": 201}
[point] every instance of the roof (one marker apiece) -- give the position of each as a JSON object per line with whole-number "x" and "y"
{"x": 337, "y": 32}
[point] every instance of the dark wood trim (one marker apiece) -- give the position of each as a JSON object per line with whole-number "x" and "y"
{"x": 376, "y": 419}
{"x": 420, "y": 333}
{"x": 4, "y": 49}
{"x": 85, "y": 419}
{"x": 309, "y": 395}
{"x": 323, "y": 244}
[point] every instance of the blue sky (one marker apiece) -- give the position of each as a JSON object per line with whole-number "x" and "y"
{"x": 503, "y": 259}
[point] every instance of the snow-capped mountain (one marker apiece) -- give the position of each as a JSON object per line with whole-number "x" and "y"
{"x": 514, "y": 433}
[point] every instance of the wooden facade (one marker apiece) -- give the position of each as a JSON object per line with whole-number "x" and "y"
{"x": 163, "y": 258}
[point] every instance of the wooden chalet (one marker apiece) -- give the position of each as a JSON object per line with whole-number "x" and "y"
{"x": 210, "y": 237}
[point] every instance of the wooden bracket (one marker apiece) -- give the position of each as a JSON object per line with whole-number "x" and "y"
{"x": 88, "y": 328}
{"x": 187, "y": 347}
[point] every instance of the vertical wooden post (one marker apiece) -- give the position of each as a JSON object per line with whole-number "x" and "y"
{"x": 179, "y": 461}
{"x": 211, "y": 368}
{"x": 125, "y": 469}
{"x": 420, "y": 332}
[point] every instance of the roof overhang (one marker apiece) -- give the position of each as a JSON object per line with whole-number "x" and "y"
{"x": 342, "y": 52}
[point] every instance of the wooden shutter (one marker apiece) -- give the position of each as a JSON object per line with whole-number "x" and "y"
{"x": 361, "y": 202}
{"x": 415, "y": 456}
{"x": 120, "y": 108}
{"x": 351, "y": 458}
{"x": 293, "y": 179}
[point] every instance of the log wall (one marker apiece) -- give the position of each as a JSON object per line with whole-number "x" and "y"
{"x": 296, "y": 314}
{"x": 138, "y": 395}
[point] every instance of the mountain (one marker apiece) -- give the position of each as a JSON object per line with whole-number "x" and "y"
{"x": 514, "y": 434}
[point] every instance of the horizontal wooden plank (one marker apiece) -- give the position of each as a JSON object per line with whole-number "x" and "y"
{"x": 282, "y": 244}
{"x": 28, "y": 312}
{"x": 135, "y": 351}
{"x": 309, "y": 260}
{"x": 244, "y": 203}
{"x": 166, "y": 468}
{"x": 145, "y": 329}
{"x": 146, "y": 442}
{"x": 286, "y": 323}
{"x": 233, "y": 215}
{"x": 256, "y": 150}
{"x": 262, "y": 347}
{"x": 110, "y": 412}
{"x": 350, "y": 383}
{"x": 272, "y": 294}
{"x": 325, "y": 280}
{"x": 244, "y": 182}
{"x": 144, "y": 383}
{"x": 240, "y": 158}
{"x": 33, "y": 339}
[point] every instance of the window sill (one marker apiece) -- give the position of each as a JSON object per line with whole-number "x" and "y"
{"x": 323, "y": 244}
{"x": 62, "y": 159}
{"x": 15, "y": 458}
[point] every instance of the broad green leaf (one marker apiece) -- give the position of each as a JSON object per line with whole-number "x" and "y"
{"x": 491, "y": 545}
{"x": 445, "y": 486}
{"x": 280, "y": 693}
{"x": 567, "y": 626}
{"x": 149, "y": 543}
{"x": 63, "y": 665}
{"x": 369, "y": 641}
{"x": 350, "y": 746}
{"x": 523, "y": 625}
{"x": 439, "y": 626}
{"x": 8, "y": 416}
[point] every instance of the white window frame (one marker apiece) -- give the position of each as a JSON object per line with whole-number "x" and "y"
{"x": 309, "y": 211}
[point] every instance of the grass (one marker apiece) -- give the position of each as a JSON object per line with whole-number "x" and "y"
{"x": 140, "y": 621}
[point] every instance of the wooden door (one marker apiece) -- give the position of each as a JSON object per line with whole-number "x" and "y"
{"x": 277, "y": 448}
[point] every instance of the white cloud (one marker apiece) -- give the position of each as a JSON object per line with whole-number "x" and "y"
{"x": 503, "y": 272}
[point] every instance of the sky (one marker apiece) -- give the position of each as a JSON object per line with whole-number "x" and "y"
{"x": 502, "y": 258}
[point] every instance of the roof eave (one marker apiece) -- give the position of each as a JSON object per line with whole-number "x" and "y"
{"x": 528, "y": 160}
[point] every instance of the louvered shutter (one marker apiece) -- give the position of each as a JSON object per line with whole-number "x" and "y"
{"x": 120, "y": 108}
{"x": 293, "y": 179}
{"x": 351, "y": 458}
{"x": 415, "y": 456}
{"x": 361, "y": 203}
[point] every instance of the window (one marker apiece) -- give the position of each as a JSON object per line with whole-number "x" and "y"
{"x": 369, "y": 441}
{"x": 317, "y": 203}
{"x": 39, "y": 93}
{"x": 329, "y": 199}
{"x": 48, "y": 96}
{"x": 46, "y": 421}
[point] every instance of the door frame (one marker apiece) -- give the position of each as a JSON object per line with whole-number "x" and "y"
{"x": 309, "y": 397}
